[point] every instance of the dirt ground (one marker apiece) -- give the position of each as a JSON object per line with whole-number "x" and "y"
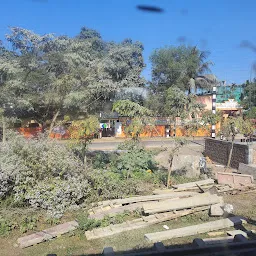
{"x": 76, "y": 243}
{"x": 190, "y": 149}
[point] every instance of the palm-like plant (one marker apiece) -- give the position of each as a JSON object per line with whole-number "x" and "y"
{"x": 198, "y": 78}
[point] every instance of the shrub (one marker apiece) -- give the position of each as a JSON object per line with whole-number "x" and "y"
{"x": 134, "y": 163}
{"x": 5, "y": 227}
{"x": 42, "y": 173}
{"x": 58, "y": 195}
{"x": 107, "y": 184}
{"x": 87, "y": 224}
{"x": 28, "y": 223}
{"x": 100, "y": 160}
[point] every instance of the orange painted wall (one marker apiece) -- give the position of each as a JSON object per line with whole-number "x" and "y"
{"x": 181, "y": 131}
{"x": 158, "y": 131}
{"x": 30, "y": 132}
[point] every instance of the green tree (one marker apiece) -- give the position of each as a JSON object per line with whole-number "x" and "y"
{"x": 249, "y": 95}
{"x": 58, "y": 75}
{"x": 233, "y": 126}
{"x": 178, "y": 144}
{"x": 181, "y": 66}
{"x": 82, "y": 133}
{"x": 138, "y": 116}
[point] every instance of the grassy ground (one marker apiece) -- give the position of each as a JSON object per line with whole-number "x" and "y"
{"x": 76, "y": 243}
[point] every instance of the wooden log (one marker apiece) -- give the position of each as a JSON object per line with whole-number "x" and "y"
{"x": 185, "y": 203}
{"x": 195, "y": 229}
{"x": 194, "y": 184}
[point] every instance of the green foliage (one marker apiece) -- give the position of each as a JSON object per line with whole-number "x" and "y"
{"x": 100, "y": 160}
{"x": 110, "y": 185}
{"x": 6, "y": 226}
{"x": 128, "y": 108}
{"x": 208, "y": 118}
{"x": 42, "y": 174}
{"x": 82, "y": 133}
{"x": 45, "y": 75}
{"x": 180, "y": 179}
{"x": 176, "y": 102}
{"x": 53, "y": 221}
{"x": 87, "y": 224}
{"x": 251, "y": 113}
{"x": 176, "y": 66}
{"x": 84, "y": 128}
{"x": 232, "y": 126}
{"x": 135, "y": 162}
{"x": 140, "y": 117}
{"x": 179, "y": 104}
{"x": 28, "y": 223}
{"x": 249, "y": 97}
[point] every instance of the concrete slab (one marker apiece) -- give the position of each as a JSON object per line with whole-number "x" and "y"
{"x": 195, "y": 229}
{"x": 249, "y": 169}
{"x": 47, "y": 234}
{"x": 216, "y": 210}
{"x": 234, "y": 179}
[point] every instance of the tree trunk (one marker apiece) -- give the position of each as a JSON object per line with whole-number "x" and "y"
{"x": 53, "y": 121}
{"x": 174, "y": 128}
{"x": 85, "y": 160}
{"x": 169, "y": 172}
{"x": 231, "y": 151}
{"x": 4, "y": 129}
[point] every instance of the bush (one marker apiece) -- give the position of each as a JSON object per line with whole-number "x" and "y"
{"x": 109, "y": 185}
{"x": 100, "y": 160}
{"x": 28, "y": 223}
{"x": 42, "y": 173}
{"x": 134, "y": 163}
{"x": 5, "y": 227}
{"x": 87, "y": 224}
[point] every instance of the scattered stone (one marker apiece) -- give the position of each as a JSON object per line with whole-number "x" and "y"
{"x": 216, "y": 210}
{"x": 228, "y": 208}
{"x": 166, "y": 227}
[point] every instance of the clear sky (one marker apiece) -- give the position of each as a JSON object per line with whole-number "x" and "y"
{"x": 217, "y": 26}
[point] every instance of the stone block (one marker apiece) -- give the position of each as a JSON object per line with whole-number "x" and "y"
{"x": 216, "y": 210}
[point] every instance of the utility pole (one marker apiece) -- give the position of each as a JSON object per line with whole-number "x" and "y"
{"x": 213, "y": 110}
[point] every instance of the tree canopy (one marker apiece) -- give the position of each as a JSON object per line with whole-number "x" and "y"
{"x": 179, "y": 66}
{"x": 48, "y": 75}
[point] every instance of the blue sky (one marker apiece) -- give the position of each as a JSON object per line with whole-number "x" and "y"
{"x": 217, "y": 26}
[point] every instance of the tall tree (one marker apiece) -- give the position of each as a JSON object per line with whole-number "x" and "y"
{"x": 178, "y": 66}
{"x": 54, "y": 75}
